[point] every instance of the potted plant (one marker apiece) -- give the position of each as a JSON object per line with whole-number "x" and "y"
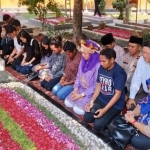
{"x": 119, "y": 5}
{"x": 102, "y": 5}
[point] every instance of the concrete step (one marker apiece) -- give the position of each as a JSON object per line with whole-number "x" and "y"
{"x": 98, "y": 20}
{"x": 129, "y": 26}
{"x": 123, "y": 28}
{"x": 147, "y": 25}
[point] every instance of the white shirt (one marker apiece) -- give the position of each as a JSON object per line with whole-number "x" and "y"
{"x": 141, "y": 74}
{"x": 119, "y": 52}
{"x": 16, "y": 45}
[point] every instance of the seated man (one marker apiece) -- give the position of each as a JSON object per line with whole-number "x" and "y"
{"x": 108, "y": 41}
{"x": 141, "y": 74}
{"x": 129, "y": 60}
{"x": 8, "y": 48}
{"x": 8, "y": 19}
{"x": 16, "y": 56}
{"x": 109, "y": 96}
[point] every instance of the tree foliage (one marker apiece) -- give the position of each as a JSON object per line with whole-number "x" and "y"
{"x": 38, "y": 7}
{"x": 102, "y": 5}
{"x": 119, "y": 5}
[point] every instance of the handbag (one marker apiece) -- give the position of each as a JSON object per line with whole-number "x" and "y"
{"x": 120, "y": 131}
{"x": 32, "y": 76}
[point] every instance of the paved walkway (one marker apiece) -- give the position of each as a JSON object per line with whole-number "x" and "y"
{"x": 5, "y": 77}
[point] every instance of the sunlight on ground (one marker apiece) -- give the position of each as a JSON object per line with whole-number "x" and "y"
{"x": 140, "y": 17}
{"x": 133, "y": 16}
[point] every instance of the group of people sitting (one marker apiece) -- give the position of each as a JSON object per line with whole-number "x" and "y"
{"x": 96, "y": 82}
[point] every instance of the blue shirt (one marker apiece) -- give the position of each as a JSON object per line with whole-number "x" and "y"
{"x": 112, "y": 80}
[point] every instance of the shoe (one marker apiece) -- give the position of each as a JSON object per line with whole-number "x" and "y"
{"x": 32, "y": 76}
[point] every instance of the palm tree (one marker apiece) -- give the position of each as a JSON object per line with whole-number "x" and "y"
{"x": 77, "y": 18}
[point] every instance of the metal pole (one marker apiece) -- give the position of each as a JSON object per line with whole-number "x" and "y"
{"x": 136, "y": 16}
{"x": 140, "y": 6}
{"x": 0, "y": 6}
{"x": 86, "y": 9}
{"x": 146, "y": 7}
{"x": 127, "y": 12}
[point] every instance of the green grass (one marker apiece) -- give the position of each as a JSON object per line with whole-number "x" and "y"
{"x": 28, "y": 15}
{"x": 15, "y": 131}
{"x": 62, "y": 127}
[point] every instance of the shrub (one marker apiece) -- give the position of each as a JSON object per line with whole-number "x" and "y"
{"x": 119, "y": 5}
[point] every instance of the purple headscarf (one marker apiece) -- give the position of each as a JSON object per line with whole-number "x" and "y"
{"x": 90, "y": 63}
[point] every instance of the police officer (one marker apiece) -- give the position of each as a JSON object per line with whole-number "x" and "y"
{"x": 130, "y": 59}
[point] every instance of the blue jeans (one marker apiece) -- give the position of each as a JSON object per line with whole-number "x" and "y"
{"x": 23, "y": 69}
{"x": 100, "y": 123}
{"x": 62, "y": 91}
{"x": 49, "y": 85}
{"x": 141, "y": 142}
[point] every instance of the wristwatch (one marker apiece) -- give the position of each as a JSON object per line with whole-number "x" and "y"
{"x": 83, "y": 95}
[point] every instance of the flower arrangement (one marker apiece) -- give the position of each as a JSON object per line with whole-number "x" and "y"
{"x": 59, "y": 20}
{"x": 23, "y": 126}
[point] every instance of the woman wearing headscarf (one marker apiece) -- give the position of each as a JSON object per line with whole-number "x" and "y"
{"x": 86, "y": 78}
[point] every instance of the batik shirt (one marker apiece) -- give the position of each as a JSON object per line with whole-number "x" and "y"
{"x": 144, "y": 117}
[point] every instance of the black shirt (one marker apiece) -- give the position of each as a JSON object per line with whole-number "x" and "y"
{"x": 32, "y": 50}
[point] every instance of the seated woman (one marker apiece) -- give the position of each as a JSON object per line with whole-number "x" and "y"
{"x": 109, "y": 96}
{"x": 65, "y": 86}
{"x": 141, "y": 142}
{"x": 32, "y": 54}
{"x": 56, "y": 65}
{"x": 85, "y": 82}
{"x": 39, "y": 69}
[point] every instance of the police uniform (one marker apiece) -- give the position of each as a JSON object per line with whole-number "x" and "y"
{"x": 129, "y": 64}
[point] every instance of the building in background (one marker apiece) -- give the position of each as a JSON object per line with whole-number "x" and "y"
{"x": 142, "y": 4}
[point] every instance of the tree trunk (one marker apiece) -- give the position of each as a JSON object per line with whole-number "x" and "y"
{"x": 127, "y": 12}
{"x": 121, "y": 14}
{"x": 77, "y": 18}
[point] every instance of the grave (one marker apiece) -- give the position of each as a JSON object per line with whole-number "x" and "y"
{"x": 96, "y": 32}
{"x": 97, "y": 36}
{"x": 132, "y": 26}
{"x": 56, "y": 25}
{"x": 97, "y": 20}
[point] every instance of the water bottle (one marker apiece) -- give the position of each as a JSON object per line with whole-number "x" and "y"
{"x": 2, "y": 65}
